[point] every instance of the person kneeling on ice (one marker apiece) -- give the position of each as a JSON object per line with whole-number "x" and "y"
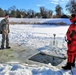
{"x": 71, "y": 44}
{"x": 4, "y": 26}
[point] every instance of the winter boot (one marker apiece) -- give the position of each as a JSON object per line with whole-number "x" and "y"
{"x": 73, "y": 64}
{"x": 2, "y": 47}
{"x": 8, "y": 47}
{"x": 67, "y": 67}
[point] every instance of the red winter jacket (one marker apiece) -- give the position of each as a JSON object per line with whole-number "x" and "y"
{"x": 71, "y": 33}
{"x": 71, "y": 36}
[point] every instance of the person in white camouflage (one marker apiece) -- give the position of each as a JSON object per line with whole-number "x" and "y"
{"x": 5, "y": 32}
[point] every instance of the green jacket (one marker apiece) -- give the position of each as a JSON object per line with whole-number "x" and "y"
{"x": 4, "y": 25}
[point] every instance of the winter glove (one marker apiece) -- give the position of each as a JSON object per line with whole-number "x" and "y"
{"x": 65, "y": 38}
{"x": 75, "y": 22}
{"x": 68, "y": 41}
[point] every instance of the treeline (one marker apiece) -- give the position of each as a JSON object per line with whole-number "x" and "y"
{"x": 43, "y": 13}
{"x": 22, "y": 13}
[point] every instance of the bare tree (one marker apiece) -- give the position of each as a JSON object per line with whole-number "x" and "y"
{"x": 58, "y": 10}
{"x": 12, "y": 11}
{"x": 1, "y": 13}
{"x": 45, "y": 13}
{"x": 49, "y": 13}
{"x": 38, "y": 15}
{"x": 71, "y": 6}
{"x": 31, "y": 13}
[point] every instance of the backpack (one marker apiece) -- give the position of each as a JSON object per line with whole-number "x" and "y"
{"x": 0, "y": 28}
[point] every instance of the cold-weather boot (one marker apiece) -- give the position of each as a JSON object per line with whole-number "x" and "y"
{"x": 2, "y": 47}
{"x": 67, "y": 67}
{"x": 8, "y": 47}
{"x": 73, "y": 64}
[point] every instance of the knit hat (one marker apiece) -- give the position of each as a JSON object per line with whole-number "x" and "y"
{"x": 6, "y": 14}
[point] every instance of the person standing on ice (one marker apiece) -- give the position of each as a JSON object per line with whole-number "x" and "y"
{"x": 5, "y": 31}
{"x": 71, "y": 44}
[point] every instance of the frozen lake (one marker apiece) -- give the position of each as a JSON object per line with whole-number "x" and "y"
{"x": 40, "y": 37}
{"x": 37, "y": 37}
{"x": 26, "y": 34}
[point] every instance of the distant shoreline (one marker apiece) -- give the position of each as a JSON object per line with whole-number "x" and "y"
{"x": 38, "y": 23}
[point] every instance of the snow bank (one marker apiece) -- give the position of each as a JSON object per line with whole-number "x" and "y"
{"x": 19, "y": 69}
{"x": 52, "y": 21}
{"x": 34, "y": 20}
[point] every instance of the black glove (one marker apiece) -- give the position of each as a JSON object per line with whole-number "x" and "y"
{"x": 74, "y": 22}
{"x": 65, "y": 39}
{"x": 68, "y": 41}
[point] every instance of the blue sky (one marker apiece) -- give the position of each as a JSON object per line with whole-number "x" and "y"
{"x": 33, "y": 4}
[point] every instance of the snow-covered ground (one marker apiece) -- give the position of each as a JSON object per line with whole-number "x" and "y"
{"x": 20, "y": 69}
{"x": 41, "y": 38}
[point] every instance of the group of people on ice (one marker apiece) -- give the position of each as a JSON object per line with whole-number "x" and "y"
{"x": 71, "y": 39}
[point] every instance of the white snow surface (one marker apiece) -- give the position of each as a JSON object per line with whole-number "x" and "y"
{"x": 40, "y": 37}
{"x": 21, "y": 69}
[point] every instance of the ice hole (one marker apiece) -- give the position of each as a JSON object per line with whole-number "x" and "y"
{"x": 46, "y": 59}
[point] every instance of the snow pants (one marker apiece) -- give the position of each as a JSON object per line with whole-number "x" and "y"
{"x": 71, "y": 51}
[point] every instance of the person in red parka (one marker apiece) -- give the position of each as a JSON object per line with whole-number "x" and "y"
{"x": 71, "y": 44}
